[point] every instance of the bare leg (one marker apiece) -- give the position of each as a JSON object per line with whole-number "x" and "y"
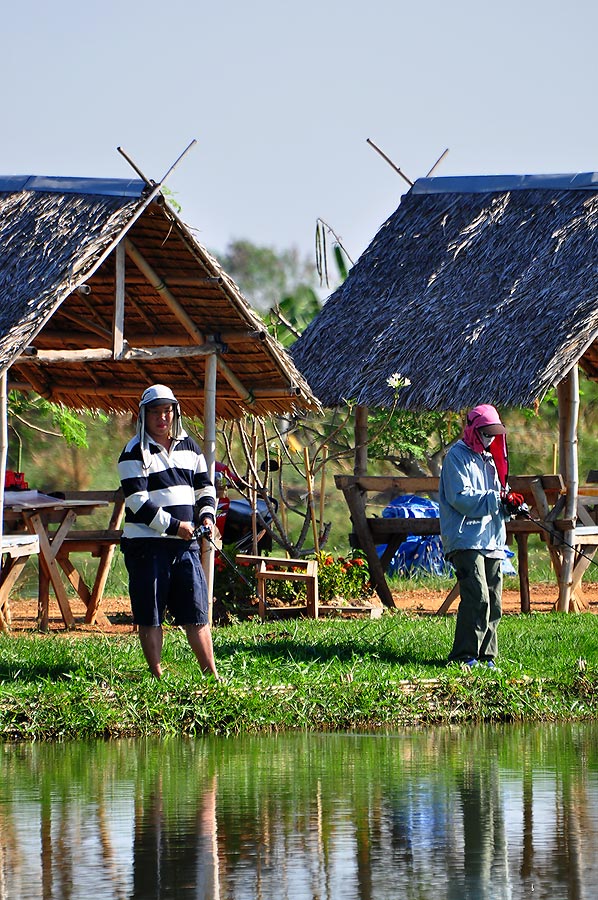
{"x": 200, "y": 641}
{"x": 151, "y": 638}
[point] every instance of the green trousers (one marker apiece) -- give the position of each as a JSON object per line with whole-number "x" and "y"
{"x": 480, "y": 608}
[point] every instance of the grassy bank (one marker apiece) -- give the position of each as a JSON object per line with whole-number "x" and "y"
{"x": 331, "y": 674}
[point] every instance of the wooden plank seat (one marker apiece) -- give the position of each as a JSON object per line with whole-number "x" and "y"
{"x": 16, "y": 549}
{"x": 92, "y": 542}
{"x": 99, "y": 543}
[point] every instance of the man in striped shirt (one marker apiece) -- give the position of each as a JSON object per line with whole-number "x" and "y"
{"x": 167, "y": 489}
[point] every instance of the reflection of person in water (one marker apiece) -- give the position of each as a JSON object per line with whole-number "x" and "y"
{"x": 175, "y": 855}
{"x": 483, "y": 872}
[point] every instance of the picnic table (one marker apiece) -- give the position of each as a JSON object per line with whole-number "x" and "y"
{"x": 544, "y": 494}
{"x": 51, "y": 520}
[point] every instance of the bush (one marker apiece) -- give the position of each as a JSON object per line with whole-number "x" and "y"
{"x": 341, "y": 578}
{"x": 344, "y": 578}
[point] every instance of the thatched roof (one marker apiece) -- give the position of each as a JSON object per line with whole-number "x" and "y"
{"x": 477, "y": 289}
{"x": 59, "y": 234}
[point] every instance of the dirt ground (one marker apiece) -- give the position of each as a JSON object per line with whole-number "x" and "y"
{"x": 117, "y": 619}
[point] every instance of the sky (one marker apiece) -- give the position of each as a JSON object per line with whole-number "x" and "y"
{"x": 282, "y": 97}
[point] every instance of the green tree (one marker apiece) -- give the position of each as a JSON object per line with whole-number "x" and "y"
{"x": 264, "y": 275}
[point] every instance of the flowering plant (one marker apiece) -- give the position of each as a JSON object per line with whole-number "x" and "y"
{"x": 339, "y": 578}
{"x": 345, "y": 578}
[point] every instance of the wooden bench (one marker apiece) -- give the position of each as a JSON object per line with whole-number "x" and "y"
{"x": 100, "y": 543}
{"x": 16, "y": 550}
{"x": 544, "y": 494}
{"x": 273, "y": 568}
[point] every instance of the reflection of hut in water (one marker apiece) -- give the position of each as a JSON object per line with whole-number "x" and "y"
{"x": 478, "y": 290}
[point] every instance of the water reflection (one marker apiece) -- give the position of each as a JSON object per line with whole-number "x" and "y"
{"x": 484, "y": 813}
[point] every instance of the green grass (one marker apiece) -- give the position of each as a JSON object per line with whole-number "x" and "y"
{"x": 315, "y": 675}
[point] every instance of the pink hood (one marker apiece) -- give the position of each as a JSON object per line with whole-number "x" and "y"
{"x": 482, "y": 417}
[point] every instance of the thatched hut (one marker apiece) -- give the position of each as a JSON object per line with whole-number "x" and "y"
{"x": 476, "y": 289}
{"x": 105, "y": 291}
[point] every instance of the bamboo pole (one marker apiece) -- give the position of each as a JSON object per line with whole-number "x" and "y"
{"x": 209, "y": 448}
{"x": 323, "y": 489}
{"x": 568, "y": 396}
{"x": 310, "y": 499}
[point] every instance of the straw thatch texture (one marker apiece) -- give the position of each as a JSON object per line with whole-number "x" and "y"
{"x": 479, "y": 296}
{"x": 52, "y": 242}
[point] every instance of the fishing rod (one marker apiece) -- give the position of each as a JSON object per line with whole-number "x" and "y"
{"x": 523, "y": 510}
{"x": 204, "y": 532}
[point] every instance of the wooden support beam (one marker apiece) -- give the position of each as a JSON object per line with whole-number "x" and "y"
{"x": 361, "y": 441}
{"x": 100, "y": 337}
{"x": 162, "y": 289}
{"x": 568, "y": 397}
{"x": 100, "y": 354}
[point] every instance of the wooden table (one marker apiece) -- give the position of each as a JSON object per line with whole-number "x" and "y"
{"x": 543, "y": 493}
{"x": 51, "y": 521}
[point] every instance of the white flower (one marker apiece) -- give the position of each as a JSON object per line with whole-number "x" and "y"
{"x": 396, "y": 381}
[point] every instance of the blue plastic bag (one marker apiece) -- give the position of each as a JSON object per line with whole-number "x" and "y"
{"x": 423, "y": 552}
{"x": 417, "y": 552}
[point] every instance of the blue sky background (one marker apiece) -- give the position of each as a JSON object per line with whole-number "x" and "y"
{"x": 282, "y": 97}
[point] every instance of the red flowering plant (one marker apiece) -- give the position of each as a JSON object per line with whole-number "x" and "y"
{"x": 343, "y": 578}
{"x": 340, "y": 579}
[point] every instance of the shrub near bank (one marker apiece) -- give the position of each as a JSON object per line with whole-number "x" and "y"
{"x": 343, "y": 578}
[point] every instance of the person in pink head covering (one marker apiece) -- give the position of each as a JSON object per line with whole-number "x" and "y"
{"x": 475, "y": 500}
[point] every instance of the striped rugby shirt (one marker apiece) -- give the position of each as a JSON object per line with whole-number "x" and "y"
{"x": 160, "y": 496}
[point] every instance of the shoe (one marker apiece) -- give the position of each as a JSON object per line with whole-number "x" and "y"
{"x": 471, "y": 662}
{"x": 490, "y": 664}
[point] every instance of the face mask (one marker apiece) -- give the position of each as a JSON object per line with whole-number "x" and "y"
{"x": 486, "y": 439}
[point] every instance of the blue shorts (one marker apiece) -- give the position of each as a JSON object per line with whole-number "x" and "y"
{"x": 165, "y": 575}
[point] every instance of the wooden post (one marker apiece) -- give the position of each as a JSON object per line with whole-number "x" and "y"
{"x": 523, "y": 561}
{"x": 568, "y": 396}
{"x": 310, "y": 499}
{"x": 361, "y": 441}
{"x": 209, "y": 449}
{"x": 118, "y": 322}
{"x": 323, "y": 489}
{"x": 254, "y": 538}
{"x": 3, "y": 449}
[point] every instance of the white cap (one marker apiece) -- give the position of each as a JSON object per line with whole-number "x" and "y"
{"x": 157, "y": 393}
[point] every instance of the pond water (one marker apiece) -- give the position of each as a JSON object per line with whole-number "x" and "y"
{"x": 480, "y": 813}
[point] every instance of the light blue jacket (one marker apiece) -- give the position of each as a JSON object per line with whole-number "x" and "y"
{"x": 471, "y": 512}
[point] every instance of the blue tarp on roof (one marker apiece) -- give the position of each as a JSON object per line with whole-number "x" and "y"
{"x": 109, "y": 187}
{"x": 482, "y": 184}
